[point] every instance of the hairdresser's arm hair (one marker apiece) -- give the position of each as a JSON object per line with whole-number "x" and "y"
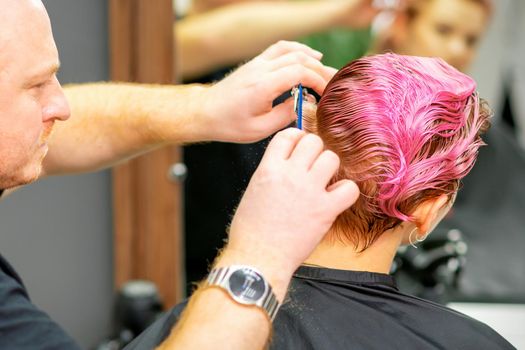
{"x": 111, "y": 122}
{"x": 231, "y": 34}
{"x": 212, "y": 317}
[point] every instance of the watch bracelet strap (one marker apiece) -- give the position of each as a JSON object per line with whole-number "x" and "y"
{"x": 270, "y": 304}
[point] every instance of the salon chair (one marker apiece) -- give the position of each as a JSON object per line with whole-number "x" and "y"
{"x": 432, "y": 269}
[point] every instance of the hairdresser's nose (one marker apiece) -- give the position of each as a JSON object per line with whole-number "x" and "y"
{"x": 55, "y": 106}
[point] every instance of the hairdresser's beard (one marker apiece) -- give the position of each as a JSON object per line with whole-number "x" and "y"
{"x": 17, "y": 170}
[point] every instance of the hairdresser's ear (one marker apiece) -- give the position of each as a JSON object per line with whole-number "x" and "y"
{"x": 428, "y": 214}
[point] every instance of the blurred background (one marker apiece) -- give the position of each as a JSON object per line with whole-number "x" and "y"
{"x": 81, "y": 242}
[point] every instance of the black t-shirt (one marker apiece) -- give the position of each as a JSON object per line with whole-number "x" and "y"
{"x": 338, "y": 309}
{"x": 22, "y": 324}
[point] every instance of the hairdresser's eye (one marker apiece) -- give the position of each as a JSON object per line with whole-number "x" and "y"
{"x": 38, "y": 88}
{"x": 444, "y": 29}
{"x": 39, "y": 85}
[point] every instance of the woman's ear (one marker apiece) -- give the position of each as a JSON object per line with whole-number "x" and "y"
{"x": 428, "y": 213}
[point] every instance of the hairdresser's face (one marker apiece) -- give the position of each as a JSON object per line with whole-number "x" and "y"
{"x": 450, "y": 29}
{"x": 31, "y": 98}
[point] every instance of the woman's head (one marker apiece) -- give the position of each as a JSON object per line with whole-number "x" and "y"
{"x": 406, "y": 129}
{"x": 450, "y": 29}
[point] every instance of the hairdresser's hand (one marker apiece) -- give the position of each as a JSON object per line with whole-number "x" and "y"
{"x": 239, "y": 108}
{"x": 287, "y": 208}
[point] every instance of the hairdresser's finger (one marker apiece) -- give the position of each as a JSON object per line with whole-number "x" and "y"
{"x": 330, "y": 71}
{"x": 302, "y": 59}
{"x": 278, "y": 118}
{"x": 283, "y": 47}
{"x": 307, "y": 151}
{"x": 284, "y": 78}
{"x": 342, "y": 195}
{"x": 325, "y": 167}
{"x": 282, "y": 145}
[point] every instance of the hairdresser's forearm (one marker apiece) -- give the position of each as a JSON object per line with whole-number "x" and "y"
{"x": 111, "y": 122}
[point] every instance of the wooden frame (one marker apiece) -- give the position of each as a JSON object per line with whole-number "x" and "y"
{"x": 147, "y": 205}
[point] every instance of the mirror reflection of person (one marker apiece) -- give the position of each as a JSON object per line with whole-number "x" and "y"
{"x": 407, "y": 130}
{"x": 452, "y": 30}
{"x": 219, "y": 34}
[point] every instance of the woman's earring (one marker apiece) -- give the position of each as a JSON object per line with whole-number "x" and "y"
{"x": 413, "y": 241}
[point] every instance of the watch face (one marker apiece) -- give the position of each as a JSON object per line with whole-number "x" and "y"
{"x": 246, "y": 285}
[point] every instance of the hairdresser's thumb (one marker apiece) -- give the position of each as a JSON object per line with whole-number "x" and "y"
{"x": 343, "y": 194}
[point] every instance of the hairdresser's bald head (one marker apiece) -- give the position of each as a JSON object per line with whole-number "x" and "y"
{"x": 18, "y": 17}
{"x": 20, "y": 12}
{"x": 11, "y": 6}
{"x": 26, "y": 38}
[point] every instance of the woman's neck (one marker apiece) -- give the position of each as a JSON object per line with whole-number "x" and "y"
{"x": 338, "y": 255}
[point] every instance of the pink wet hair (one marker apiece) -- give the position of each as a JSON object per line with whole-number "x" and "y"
{"x": 406, "y": 129}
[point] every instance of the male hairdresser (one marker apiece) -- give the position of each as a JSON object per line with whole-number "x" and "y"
{"x": 270, "y": 234}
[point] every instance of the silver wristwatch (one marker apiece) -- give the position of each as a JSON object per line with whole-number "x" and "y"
{"x": 246, "y": 286}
